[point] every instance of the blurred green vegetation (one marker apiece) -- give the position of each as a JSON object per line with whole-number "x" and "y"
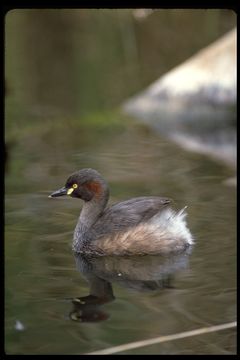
{"x": 63, "y": 62}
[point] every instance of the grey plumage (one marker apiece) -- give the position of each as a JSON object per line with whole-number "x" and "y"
{"x": 141, "y": 225}
{"x": 129, "y": 213}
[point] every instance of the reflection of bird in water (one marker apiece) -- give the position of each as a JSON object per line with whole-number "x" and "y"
{"x": 142, "y": 225}
{"x": 139, "y": 273}
{"x": 88, "y": 308}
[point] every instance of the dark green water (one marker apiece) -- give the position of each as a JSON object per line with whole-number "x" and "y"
{"x": 41, "y": 277}
{"x": 64, "y": 70}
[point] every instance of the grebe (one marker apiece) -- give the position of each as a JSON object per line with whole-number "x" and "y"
{"x": 138, "y": 226}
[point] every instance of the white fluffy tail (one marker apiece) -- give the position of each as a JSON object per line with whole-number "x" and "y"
{"x": 182, "y": 211}
{"x": 173, "y": 223}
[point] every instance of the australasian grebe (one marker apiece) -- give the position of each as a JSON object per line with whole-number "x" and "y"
{"x": 141, "y": 225}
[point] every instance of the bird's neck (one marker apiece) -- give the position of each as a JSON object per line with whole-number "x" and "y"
{"x": 92, "y": 209}
{"x": 90, "y": 213}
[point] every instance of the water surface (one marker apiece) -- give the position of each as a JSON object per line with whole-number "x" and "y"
{"x": 42, "y": 277}
{"x": 62, "y": 75}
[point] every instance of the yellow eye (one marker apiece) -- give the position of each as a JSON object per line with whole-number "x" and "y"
{"x": 75, "y": 186}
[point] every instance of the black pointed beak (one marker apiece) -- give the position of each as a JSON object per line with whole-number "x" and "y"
{"x": 60, "y": 192}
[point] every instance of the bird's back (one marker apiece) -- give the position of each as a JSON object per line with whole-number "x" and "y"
{"x": 160, "y": 231}
{"x": 129, "y": 213}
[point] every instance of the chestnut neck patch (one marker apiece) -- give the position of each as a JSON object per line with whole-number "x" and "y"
{"x": 94, "y": 187}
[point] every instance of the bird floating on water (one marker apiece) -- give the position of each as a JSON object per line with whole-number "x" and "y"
{"x": 138, "y": 226}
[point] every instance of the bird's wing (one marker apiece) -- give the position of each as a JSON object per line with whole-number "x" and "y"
{"x": 129, "y": 213}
